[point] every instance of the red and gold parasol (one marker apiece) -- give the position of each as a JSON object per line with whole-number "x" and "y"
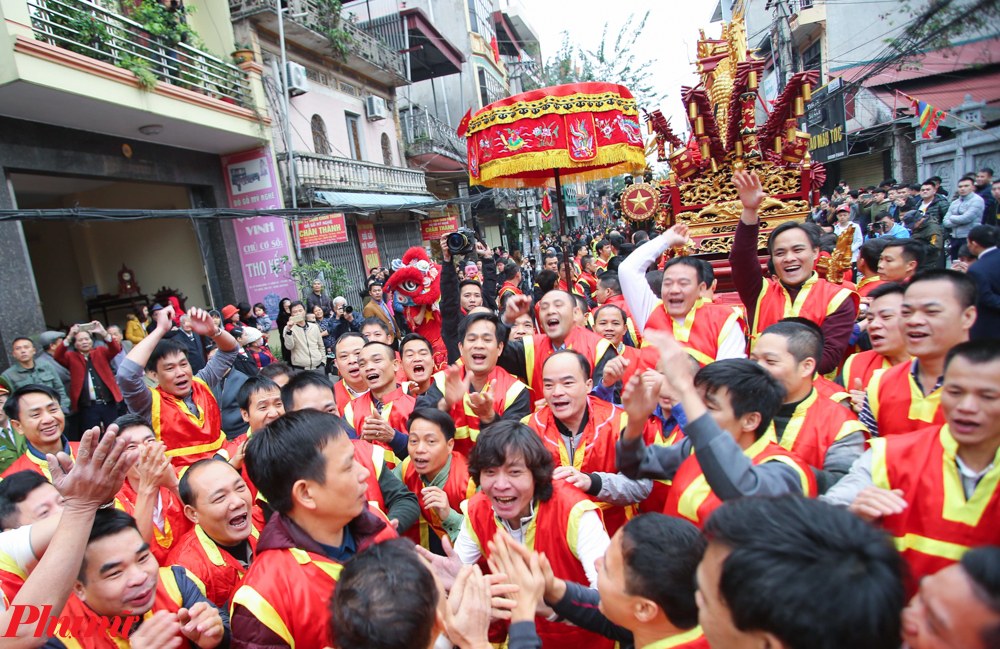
{"x": 586, "y": 131}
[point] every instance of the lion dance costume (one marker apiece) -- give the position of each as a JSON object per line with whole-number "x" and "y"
{"x": 417, "y": 283}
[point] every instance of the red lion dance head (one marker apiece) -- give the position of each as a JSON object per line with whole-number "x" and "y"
{"x": 416, "y": 279}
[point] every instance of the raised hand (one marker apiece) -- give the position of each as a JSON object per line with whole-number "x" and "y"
{"x": 614, "y": 371}
{"x": 201, "y": 322}
{"x": 515, "y": 307}
{"x": 483, "y": 250}
{"x": 640, "y": 398}
{"x": 436, "y": 500}
{"x": 873, "y": 503}
{"x": 455, "y": 387}
{"x": 444, "y": 248}
{"x": 202, "y": 625}
{"x": 467, "y": 615}
{"x": 857, "y": 396}
{"x": 164, "y": 318}
{"x": 446, "y": 567}
{"x": 98, "y": 472}
{"x": 482, "y": 403}
{"x": 674, "y": 362}
{"x": 751, "y": 193}
{"x": 676, "y": 235}
{"x": 522, "y": 568}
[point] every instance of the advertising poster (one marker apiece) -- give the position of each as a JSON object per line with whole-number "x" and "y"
{"x": 369, "y": 249}
{"x": 322, "y": 230}
{"x": 253, "y": 185}
{"x": 432, "y": 229}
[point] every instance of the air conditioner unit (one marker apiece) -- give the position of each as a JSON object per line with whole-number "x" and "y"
{"x": 375, "y": 107}
{"x": 298, "y": 84}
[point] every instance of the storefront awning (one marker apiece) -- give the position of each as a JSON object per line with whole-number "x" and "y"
{"x": 346, "y": 201}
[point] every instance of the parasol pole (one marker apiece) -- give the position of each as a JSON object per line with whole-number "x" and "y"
{"x": 564, "y": 243}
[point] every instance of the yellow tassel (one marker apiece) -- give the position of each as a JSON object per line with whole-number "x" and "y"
{"x": 568, "y": 105}
{"x": 497, "y": 173}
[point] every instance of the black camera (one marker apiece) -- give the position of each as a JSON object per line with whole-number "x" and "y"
{"x": 461, "y": 242}
{"x": 348, "y": 309}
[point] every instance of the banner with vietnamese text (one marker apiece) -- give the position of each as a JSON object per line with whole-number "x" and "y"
{"x": 369, "y": 248}
{"x": 322, "y": 230}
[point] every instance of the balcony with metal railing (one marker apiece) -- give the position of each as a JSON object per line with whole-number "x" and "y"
{"x": 367, "y": 54}
{"x": 426, "y": 135}
{"x": 324, "y": 172}
{"x": 93, "y": 31}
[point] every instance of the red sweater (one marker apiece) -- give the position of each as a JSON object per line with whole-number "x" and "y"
{"x": 76, "y": 363}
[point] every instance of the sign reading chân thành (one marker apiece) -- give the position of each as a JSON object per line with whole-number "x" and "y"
{"x": 322, "y": 230}
{"x": 432, "y": 229}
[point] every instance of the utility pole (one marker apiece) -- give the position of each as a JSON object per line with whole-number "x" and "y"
{"x": 781, "y": 39}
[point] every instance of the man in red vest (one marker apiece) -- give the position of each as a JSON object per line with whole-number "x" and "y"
{"x": 611, "y": 323}
{"x": 789, "y": 572}
{"x": 352, "y": 384}
{"x": 220, "y": 547}
{"x": 580, "y": 431}
{"x": 379, "y": 416}
{"x": 797, "y": 290}
{"x": 586, "y": 284}
{"x": 558, "y": 313}
{"x": 312, "y": 391}
{"x": 645, "y": 589}
{"x": 609, "y": 291}
{"x": 518, "y": 495}
{"x": 936, "y": 490}
{"x": 882, "y": 322}
{"x": 120, "y": 579}
{"x": 729, "y": 406}
{"x": 511, "y": 284}
{"x": 478, "y": 392}
{"x": 957, "y": 606}
{"x": 417, "y": 359}
{"x": 30, "y": 509}
{"x": 900, "y": 259}
{"x": 34, "y": 411}
{"x": 182, "y": 409}
{"x": 376, "y": 330}
{"x": 604, "y": 253}
{"x": 869, "y": 256}
{"x": 438, "y": 476}
{"x": 149, "y": 493}
{"x": 304, "y": 463}
{"x": 825, "y": 434}
{"x": 709, "y": 332}
{"x": 939, "y": 309}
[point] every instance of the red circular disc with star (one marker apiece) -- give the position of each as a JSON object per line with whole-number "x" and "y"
{"x": 640, "y": 201}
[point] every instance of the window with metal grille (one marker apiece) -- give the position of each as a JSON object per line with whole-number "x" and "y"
{"x": 320, "y": 143}
{"x": 479, "y": 18}
{"x": 490, "y": 90}
{"x": 812, "y": 58}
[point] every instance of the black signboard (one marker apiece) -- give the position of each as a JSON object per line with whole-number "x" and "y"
{"x": 826, "y": 123}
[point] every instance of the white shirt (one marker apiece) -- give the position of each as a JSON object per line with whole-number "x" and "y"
{"x": 16, "y": 544}
{"x": 592, "y": 541}
{"x": 641, "y": 300}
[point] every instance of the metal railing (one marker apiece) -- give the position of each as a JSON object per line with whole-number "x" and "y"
{"x": 91, "y": 30}
{"x": 419, "y": 127}
{"x": 307, "y": 13}
{"x": 329, "y": 172}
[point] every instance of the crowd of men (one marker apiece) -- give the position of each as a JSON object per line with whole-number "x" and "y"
{"x": 614, "y": 453}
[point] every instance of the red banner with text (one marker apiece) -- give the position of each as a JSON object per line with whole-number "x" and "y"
{"x": 322, "y": 230}
{"x": 432, "y": 229}
{"x": 369, "y": 249}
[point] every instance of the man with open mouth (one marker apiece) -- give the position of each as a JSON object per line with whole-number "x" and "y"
{"x": 478, "y": 392}
{"x": 120, "y": 578}
{"x": 518, "y": 494}
{"x": 379, "y": 416}
{"x": 936, "y": 490}
{"x": 826, "y": 435}
{"x": 797, "y": 290}
{"x": 34, "y": 412}
{"x": 375, "y": 330}
{"x": 306, "y": 466}
{"x": 708, "y": 331}
{"x": 580, "y": 432}
{"x": 557, "y": 316}
{"x": 438, "y": 476}
{"x": 938, "y": 311}
{"x": 220, "y": 547}
{"x": 609, "y": 292}
{"x": 888, "y": 344}
{"x": 416, "y": 356}
{"x": 351, "y": 384}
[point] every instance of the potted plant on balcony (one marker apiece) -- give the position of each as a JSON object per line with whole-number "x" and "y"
{"x": 244, "y": 52}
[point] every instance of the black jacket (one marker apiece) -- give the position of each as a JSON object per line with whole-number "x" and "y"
{"x": 986, "y": 272}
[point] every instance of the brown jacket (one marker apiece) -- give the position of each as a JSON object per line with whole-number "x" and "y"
{"x": 373, "y": 310}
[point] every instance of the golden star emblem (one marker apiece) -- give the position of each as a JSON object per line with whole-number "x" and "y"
{"x": 639, "y": 201}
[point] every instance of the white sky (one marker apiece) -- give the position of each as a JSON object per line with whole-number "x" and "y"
{"x": 670, "y": 36}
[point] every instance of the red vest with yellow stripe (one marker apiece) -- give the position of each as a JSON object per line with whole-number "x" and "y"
{"x": 899, "y": 406}
{"x": 508, "y": 288}
{"x": 289, "y": 589}
{"x": 188, "y": 438}
{"x": 28, "y": 462}
{"x": 619, "y": 301}
{"x": 594, "y": 452}
{"x": 539, "y": 347}
{"x": 816, "y": 300}
{"x": 554, "y": 530}
{"x": 372, "y": 458}
{"x": 863, "y": 366}
{"x": 342, "y": 396}
{"x": 939, "y": 524}
{"x": 692, "y": 498}
{"x": 869, "y": 284}
{"x": 11, "y": 579}
{"x": 175, "y": 523}
{"x": 815, "y": 425}
{"x": 506, "y": 390}
{"x": 704, "y": 328}
{"x": 218, "y": 570}
{"x": 587, "y": 283}
{"x": 459, "y": 487}
{"x": 167, "y": 598}
{"x": 830, "y": 390}
{"x": 653, "y": 436}
{"x": 396, "y": 411}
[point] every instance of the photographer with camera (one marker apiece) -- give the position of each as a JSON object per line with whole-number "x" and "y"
{"x": 341, "y": 322}
{"x": 884, "y": 226}
{"x": 461, "y": 242}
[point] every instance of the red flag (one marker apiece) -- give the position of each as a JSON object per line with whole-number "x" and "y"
{"x": 463, "y": 126}
{"x": 496, "y": 49}
{"x": 546, "y": 207}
